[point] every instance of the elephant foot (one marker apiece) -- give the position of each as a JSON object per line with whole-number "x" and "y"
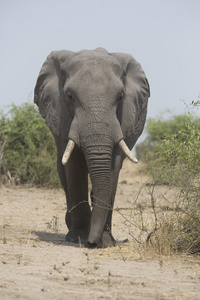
{"x": 78, "y": 236}
{"x": 107, "y": 240}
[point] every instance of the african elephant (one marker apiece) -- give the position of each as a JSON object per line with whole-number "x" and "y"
{"x": 95, "y": 104}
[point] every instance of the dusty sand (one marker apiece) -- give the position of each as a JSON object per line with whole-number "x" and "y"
{"x": 37, "y": 263}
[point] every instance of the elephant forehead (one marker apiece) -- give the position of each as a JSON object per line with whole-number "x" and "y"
{"x": 96, "y": 75}
{"x": 94, "y": 65}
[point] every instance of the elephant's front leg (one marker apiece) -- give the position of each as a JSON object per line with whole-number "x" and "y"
{"x": 74, "y": 178}
{"x": 107, "y": 238}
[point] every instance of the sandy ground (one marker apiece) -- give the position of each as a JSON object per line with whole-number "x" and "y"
{"x": 37, "y": 263}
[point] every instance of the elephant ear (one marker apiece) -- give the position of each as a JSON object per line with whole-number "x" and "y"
{"x": 48, "y": 91}
{"x": 133, "y": 109}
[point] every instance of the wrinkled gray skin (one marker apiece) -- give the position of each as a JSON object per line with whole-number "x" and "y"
{"x": 94, "y": 98}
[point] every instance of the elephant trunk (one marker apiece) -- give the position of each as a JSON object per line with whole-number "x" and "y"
{"x": 99, "y": 159}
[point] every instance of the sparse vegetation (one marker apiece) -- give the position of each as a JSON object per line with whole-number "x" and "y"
{"x": 175, "y": 148}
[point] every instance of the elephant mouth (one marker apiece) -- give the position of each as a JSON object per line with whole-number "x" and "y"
{"x": 71, "y": 144}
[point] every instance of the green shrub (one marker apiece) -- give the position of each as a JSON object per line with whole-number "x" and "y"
{"x": 161, "y": 131}
{"x": 158, "y": 129}
{"x": 177, "y": 156}
{"x": 30, "y": 152}
{"x": 177, "y": 163}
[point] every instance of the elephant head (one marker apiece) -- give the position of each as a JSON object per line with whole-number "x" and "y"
{"x": 96, "y": 102}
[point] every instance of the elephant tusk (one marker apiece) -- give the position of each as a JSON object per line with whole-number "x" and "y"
{"x": 127, "y": 152}
{"x": 68, "y": 152}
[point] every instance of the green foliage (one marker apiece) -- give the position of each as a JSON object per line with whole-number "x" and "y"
{"x": 195, "y": 103}
{"x": 175, "y": 131}
{"x": 177, "y": 154}
{"x": 176, "y": 162}
{"x": 179, "y": 125}
{"x": 29, "y": 153}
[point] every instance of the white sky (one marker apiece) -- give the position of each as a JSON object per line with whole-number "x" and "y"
{"x": 163, "y": 35}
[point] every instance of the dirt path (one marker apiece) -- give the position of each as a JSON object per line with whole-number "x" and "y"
{"x": 36, "y": 262}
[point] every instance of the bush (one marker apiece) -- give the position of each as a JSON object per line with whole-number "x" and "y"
{"x": 177, "y": 156}
{"x": 159, "y": 130}
{"x": 177, "y": 163}
{"x": 30, "y": 152}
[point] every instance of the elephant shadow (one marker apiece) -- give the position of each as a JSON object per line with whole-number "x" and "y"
{"x": 56, "y": 239}
{"x": 59, "y": 239}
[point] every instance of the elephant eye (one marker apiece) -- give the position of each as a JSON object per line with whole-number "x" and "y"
{"x": 121, "y": 95}
{"x": 69, "y": 95}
